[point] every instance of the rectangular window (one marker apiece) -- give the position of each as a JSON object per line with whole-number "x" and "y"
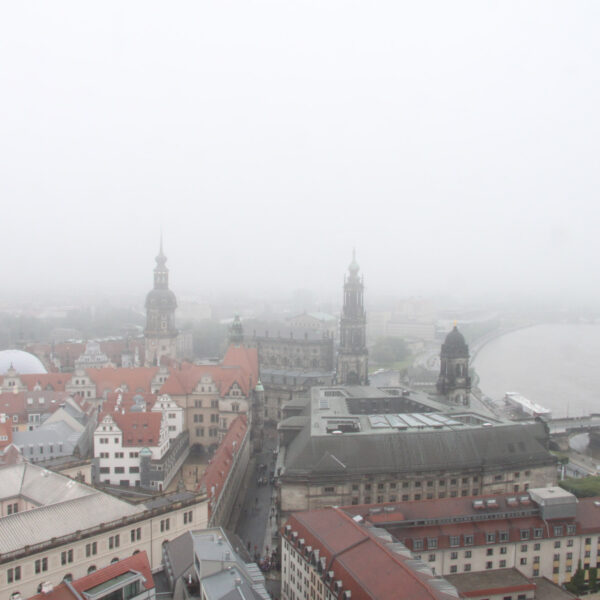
{"x": 468, "y": 540}
{"x": 467, "y": 553}
{"x": 489, "y": 564}
{"x": 467, "y": 567}
{"x": 431, "y": 558}
{"x": 503, "y": 550}
{"x": 329, "y": 490}
{"x": 489, "y": 552}
{"x": 113, "y": 541}
{"x": 524, "y": 534}
{"x": 164, "y": 525}
{"x": 432, "y": 543}
{"x": 66, "y": 556}
{"x": 557, "y": 544}
{"x": 91, "y": 549}
{"x": 523, "y": 560}
{"x": 13, "y": 574}
{"x": 558, "y": 530}
{"x": 503, "y": 536}
{"x": 453, "y": 555}
{"x": 490, "y": 538}
{"x": 41, "y": 565}
{"x": 418, "y": 544}
{"x": 119, "y": 469}
{"x": 571, "y": 529}
{"x": 538, "y": 532}
{"x": 453, "y": 569}
{"x": 502, "y": 564}
{"x": 454, "y": 540}
{"x": 136, "y": 534}
{"x": 187, "y": 517}
{"x": 523, "y": 547}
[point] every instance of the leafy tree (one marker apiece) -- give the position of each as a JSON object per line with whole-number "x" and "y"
{"x": 388, "y": 350}
{"x": 584, "y": 487}
{"x": 593, "y": 578}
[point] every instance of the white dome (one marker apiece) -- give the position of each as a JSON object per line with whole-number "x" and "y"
{"x": 23, "y": 362}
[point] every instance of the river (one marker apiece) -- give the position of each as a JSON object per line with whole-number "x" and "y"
{"x": 555, "y": 365}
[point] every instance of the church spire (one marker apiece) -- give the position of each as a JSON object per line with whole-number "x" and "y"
{"x": 161, "y": 273}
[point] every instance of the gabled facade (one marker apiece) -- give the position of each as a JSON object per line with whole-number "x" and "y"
{"x": 127, "y": 445}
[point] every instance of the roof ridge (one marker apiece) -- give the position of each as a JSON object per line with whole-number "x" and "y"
{"x": 385, "y": 548}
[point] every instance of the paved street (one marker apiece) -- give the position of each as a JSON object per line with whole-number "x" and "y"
{"x": 254, "y": 521}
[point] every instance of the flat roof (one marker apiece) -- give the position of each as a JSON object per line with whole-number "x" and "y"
{"x": 490, "y": 581}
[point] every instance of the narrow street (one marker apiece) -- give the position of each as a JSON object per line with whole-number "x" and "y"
{"x": 258, "y": 518}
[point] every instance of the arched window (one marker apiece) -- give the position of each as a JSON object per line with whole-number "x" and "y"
{"x": 91, "y": 569}
{"x": 114, "y": 560}
{"x": 68, "y": 577}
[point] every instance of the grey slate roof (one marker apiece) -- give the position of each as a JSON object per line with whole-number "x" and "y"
{"x": 55, "y": 433}
{"x": 62, "y": 502}
{"x": 230, "y": 585}
{"x": 404, "y": 451}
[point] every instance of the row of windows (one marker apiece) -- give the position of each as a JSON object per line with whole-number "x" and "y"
{"x": 501, "y": 536}
{"x": 119, "y": 470}
{"x": 212, "y": 432}
{"x": 91, "y": 549}
{"x": 417, "y": 484}
{"x": 119, "y": 455}
{"x": 213, "y": 403}
{"x": 408, "y": 497}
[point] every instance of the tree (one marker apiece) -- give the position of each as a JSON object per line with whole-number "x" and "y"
{"x": 577, "y": 583}
{"x": 388, "y": 350}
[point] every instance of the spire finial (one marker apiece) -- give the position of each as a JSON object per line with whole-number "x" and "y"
{"x": 354, "y": 265}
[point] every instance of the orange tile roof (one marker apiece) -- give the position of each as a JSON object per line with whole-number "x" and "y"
{"x": 218, "y": 469}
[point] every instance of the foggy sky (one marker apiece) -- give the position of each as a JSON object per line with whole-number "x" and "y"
{"x": 455, "y": 144}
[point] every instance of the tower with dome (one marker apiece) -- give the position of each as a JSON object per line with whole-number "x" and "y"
{"x": 454, "y": 382}
{"x": 160, "y": 333}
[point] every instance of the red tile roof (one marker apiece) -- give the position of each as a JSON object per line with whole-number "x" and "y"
{"x": 139, "y": 428}
{"x": 138, "y": 563}
{"x": 184, "y": 379}
{"x": 218, "y": 469}
{"x": 17, "y": 404}
{"x": 246, "y": 358}
{"x": 361, "y": 560}
{"x": 400, "y": 519}
{"x": 52, "y": 381}
{"x": 5, "y": 431}
{"x": 136, "y": 379}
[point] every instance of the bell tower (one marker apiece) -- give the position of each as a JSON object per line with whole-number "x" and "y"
{"x": 353, "y": 356}
{"x": 454, "y": 381}
{"x": 160, "y": 333}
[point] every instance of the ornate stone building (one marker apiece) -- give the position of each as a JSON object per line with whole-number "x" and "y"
{"x": 454, "y": 382}
{"x": 353, "y": 356}
{"x": 160, "y": 333}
